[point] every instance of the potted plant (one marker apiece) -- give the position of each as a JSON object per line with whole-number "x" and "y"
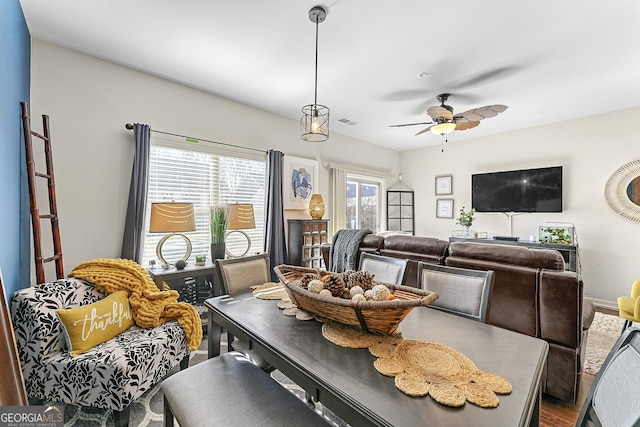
{"x": 556, "y": 235}
{"x": 466, "y": 220}
{"x": 219, "y": 219}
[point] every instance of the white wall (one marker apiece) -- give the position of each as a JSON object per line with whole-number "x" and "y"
{"x": 589, "y": 149}
{"x": 90, "y": 100}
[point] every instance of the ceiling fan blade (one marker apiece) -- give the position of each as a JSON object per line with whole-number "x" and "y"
{"x": 481, "y": 113}
{"x": 466, "y": 125}
{"x": 404, "y": 95}
{"x": 410, "y": 124}
{"x": 484, "y": 77}
{"x": 424, "y": 130}
{"x": 438, "y": 112}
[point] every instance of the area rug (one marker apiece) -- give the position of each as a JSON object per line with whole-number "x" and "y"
{"x": 603, "y": 333}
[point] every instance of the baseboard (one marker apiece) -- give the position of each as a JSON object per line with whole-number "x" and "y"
{"x": 604, "y": 304}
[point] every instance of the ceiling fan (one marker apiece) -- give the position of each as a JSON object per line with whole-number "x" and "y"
{"x": 445, "y": 121}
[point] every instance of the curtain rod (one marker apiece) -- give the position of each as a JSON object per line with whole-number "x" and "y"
{"x": 129, "y": 126}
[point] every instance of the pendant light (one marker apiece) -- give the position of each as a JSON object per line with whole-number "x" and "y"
{"x": 314, "y": 123}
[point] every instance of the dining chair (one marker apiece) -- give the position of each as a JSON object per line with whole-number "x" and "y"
{"x": 613, "y": 399}
{"x": 629, "y": 307}
{"x": 385, "y": 269}
{"x": 239, "y": 275}
{"x": 461, "y": 291}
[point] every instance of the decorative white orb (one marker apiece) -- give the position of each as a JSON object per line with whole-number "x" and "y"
{"x": 380, "y": 293}
{"x": 315, "y": 286}
{"x": 326, "y": 293}
{"x": 358, "y": 297}
{"x": 356, "y": 290}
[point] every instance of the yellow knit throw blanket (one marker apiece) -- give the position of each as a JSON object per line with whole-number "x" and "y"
{"x": 149, "y": 305}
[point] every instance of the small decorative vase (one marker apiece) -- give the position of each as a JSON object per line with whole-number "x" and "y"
{"x": 217, "y": 251}
{"x": 316, "y": 206}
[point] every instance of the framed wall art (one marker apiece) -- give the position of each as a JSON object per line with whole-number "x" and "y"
{"x": 444, "y": 185}
{"x": 444, "y": 208}
{"x": 299, "y": 182}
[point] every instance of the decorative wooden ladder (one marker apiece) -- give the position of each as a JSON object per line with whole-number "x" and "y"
{"x": 33, "y": 199}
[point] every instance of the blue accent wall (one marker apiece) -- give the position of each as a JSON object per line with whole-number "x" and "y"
{"x": 15, "y": 60}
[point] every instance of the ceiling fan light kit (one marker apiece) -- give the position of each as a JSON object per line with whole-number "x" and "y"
{"x": 443, "y": 128}
{"x": 314, "y": 123}
{"x": 444, "y": 121}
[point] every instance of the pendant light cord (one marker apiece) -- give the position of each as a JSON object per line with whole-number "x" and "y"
{"x": 315, "y": 94}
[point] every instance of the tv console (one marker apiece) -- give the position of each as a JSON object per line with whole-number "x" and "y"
{"x": 568, "y": 252}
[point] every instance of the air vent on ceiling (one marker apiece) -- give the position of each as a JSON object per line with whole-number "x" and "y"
{"x": 347, "y": 122}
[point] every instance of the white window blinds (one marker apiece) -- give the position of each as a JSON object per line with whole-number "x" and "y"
{"x": 204, "y": 178}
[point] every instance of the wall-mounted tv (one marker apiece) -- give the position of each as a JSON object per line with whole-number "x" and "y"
{"x": 527, "y": 190}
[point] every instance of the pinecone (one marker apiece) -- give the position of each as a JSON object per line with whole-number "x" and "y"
{"x": 334, "y": 283}
{"x": 364, "y": 279}
{"x": 346, "y": 276}
{"x": 307, "y": 277}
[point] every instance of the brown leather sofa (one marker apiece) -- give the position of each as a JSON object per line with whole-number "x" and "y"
{"x": 532, "y": 294}
{"x": 412, "y": 248}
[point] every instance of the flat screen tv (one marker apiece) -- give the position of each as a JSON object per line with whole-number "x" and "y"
{"x": 527, "y": 190}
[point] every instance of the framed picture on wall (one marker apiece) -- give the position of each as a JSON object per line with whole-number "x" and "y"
{"x": 444, "y": 208}
{"x": 443, "y": 185}
{"x": 299, "y": 182}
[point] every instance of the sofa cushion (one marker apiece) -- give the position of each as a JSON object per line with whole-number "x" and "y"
{"x": 508, "y": 254}
{"x": 92, "y": 324}
{"x": 418, "y": 247}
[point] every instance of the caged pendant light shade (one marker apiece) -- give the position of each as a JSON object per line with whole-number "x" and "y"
{"x": 314, "y": 123}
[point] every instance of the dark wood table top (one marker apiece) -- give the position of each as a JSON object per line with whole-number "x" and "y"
{"x": 346, "y": 382}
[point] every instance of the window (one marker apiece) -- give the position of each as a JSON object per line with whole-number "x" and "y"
{"x": 205, "y": 177}
{"x": 363, "y": 202}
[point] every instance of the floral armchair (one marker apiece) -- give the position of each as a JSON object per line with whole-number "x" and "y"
{"x": 110, "y": 375}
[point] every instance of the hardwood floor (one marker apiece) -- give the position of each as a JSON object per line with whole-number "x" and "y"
{"x": 556, "y": 413}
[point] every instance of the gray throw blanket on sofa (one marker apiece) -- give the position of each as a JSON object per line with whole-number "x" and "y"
{"x": 343, "y": 254}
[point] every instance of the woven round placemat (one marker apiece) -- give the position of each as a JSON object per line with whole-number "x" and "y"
{"x": 388, "y": 366}
{"x": 423, "y": 368}
{"x": 353, "y": 337}
{"x": 452, "y": 378}
{"x": 347, "y": 336}
{"x": 285, "y": 303}
{"x": 305, "y": 315}
{"x": 269, "y": 290}
{"x": 291, "y": 311}
{"x": 437, "y": 363}
{"x": 413, "y": 385}
{"x": 383, "y": 349}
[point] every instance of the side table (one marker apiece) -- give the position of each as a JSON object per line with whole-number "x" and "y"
{"x": 194, "y": 283}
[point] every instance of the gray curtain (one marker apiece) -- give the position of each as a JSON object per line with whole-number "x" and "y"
{"x": 133, "y": 239}
{"x": 274, "y": 242}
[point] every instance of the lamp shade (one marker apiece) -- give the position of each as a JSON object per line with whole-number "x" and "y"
{"x": 241, "y": 216}
{"x": 172, "y": 218}
{"x": 316, "y": 206}
{"x": 443, "y": 128}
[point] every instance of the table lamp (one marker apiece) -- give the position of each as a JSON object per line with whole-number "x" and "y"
{"x": 240, "y": 218}
{"x": 173, "y": 218}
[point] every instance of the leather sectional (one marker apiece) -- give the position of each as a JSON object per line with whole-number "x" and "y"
{"x": 532, "y": 294}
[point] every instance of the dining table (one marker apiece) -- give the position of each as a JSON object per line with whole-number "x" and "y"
{"x": 347, "y": 383}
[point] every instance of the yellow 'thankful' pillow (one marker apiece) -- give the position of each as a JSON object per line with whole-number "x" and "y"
{"x": 89, "y": 325}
